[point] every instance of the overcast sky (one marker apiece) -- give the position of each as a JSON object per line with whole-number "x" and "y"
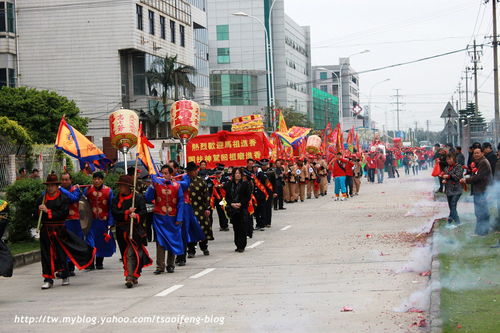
{"x": 396, "y": 31}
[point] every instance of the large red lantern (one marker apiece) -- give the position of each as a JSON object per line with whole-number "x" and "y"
{"x": 185, "y": 119}
{"x": 313, "y": 145}
{"x": 124, "y": 128}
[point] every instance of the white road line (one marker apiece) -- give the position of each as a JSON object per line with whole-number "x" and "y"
{"x": 254, "y": 245}
{"x": 286, "y": 228}
{"x": 169, "y": 290}
{"x": 203, "y": 272}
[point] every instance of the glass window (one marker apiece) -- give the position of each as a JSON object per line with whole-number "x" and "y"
{"x": 172, "y": 31}
{"x": 139, "y": 16}
{"x": 323, "y": 75}
{"x": 151, "y": 22}
{"x": 223, "y": 32}
{"x": 139, "y": 69}
{"x": 12, "y": 77}
{"x": 11, "y": 24}
{"x": 182, "y": 35}
{"x": 223, "y": 55}
{"x": 163, "y": 34}
{"x": 233, "y": 89}
{"x": 324, "y": 88}
{"x": 3, "y": 77}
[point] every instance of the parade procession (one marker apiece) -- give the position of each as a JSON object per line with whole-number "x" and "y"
{"x": 237, "y": 178}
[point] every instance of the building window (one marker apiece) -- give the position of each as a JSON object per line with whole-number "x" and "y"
{"x": 172, "y": 31}
{"x": 223, "y": 55}
{"x": 323, "y": 76}
{"x": 223, "y": 32}
{"x": 151, "y": 22}
{"x": 7, "y": 77}
{"x": 163, "y": 33}
{"x": 138, "y": 10}
{"x": 12, "y": 77}
{"x": 3, "y": 77}
{"x": 182, "y": 35}
{"x": 324, "y": 88}
{"x": 139, "y": 70}
{"x": 11, "y": 24}
{"x": 233, "y": 89}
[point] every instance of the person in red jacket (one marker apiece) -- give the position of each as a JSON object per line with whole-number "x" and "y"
{"x": 338, "y": 167}
{"x": 349, "y": 175}
{"x": 380, "y": 161}
{"x": 371, "y": 165}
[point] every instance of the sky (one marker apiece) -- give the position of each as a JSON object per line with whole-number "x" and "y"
{"x": 397, "y": 31}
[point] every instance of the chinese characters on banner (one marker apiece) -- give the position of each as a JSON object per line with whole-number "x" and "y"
{"x": 228, "y": 148}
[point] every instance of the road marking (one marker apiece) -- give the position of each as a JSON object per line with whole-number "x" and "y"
{"x": 169, "y": 290}
{"x": 203, "y": 272}
{"x": 254, "y": 245}
{"x": 286, "y": 228}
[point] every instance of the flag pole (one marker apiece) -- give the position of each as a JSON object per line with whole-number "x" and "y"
{"x": 135, "y": 178}
{"x": 38, "y": 225}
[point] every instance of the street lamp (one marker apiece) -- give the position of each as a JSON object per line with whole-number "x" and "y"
{"x": 269, "y": 71}
{"x": 369, "y": 113}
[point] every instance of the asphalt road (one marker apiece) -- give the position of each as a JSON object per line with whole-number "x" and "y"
{"x": 294, "y": 277}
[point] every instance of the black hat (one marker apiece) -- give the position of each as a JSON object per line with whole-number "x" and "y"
{"x": 220, "y": 165}
{"x": 257, "y": 164}
{"x": 264, "y": 161}
{"x": 191, "y": 166}
{"x": 52, "y": 179}
{"x": 125, "y": 180}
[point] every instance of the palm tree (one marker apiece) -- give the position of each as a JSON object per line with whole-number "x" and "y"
{"x": 168, "y": 74}
{"x": 153, "y": 118}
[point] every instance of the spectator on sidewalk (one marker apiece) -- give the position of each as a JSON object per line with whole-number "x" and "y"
{"x": 480, "y": 178}
{"x": 460, "y": 156}
{"x": 453, "y": 189}
{"x": 380, "y": 159}
{"x": 490, "y": 156}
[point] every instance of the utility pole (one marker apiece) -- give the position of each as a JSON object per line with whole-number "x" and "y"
{"x": 476, "y": 56}
{"x": 428, "y": 123}
{"x": 467, "y": 77}
{"x": 495, "y": 71}
{"x": 416, "y": 130}
{"x": 398, "y": 109}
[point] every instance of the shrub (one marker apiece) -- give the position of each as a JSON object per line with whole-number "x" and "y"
{"x": 22, "y": 197}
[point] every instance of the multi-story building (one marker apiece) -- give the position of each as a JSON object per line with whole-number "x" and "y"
{"x": 325, "y": 109}
{"x": 99, "y": 53}
{"x": 8, "y": 44}
{"x": 326, "y": 78}
{"x": 238, "y": 64}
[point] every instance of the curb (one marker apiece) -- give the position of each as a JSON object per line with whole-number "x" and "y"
{"x": 27, "y": 258}
{"x": 436, "y": 322}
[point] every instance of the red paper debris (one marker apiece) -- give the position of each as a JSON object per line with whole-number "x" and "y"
{"x": 346, "y": 309}
{"x": 421, "y": 323}
{"x": 383, "y": 254}
{"x": 428, "y": 273}
{"x": 369, "y": 215}
{"x": 459, "y": 326}
{"x": 369, "y": 236}
{"x": 413, "y": 310}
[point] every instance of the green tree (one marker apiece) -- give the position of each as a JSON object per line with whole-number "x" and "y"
{"x": 154, "y": 118}
{"x": 168, "y": 74}
{"x": 39, "y": 112}
{"x": 294, "y": 118}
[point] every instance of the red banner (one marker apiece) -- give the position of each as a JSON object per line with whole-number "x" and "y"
{"x": 228, "y": 148}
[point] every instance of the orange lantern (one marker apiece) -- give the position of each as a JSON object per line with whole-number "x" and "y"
{"x": 124, "y": 128}
{"x": 185, "y": 119}
{"x": 313, "y": 145}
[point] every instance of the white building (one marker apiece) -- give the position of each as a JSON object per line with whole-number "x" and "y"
{"x": 326, "y": 78}
{"x": 238, "y": 65}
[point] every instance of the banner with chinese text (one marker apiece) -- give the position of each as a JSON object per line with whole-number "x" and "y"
{"x": 228, "y": 148}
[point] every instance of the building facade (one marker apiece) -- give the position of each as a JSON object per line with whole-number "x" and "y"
{"x": 238, "y": 64}
{"x": 325, "y": 109}
{"x": 8, "y": 44}
{"x": 99, "y": 53}
{"x": 326, "y": 78}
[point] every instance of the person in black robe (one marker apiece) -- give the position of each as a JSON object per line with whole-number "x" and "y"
{"x": 6, "y": 260}
{"x": 135, "y": 256}
{"x": 238, "y": 194}
{"x": 56, "y": 242}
